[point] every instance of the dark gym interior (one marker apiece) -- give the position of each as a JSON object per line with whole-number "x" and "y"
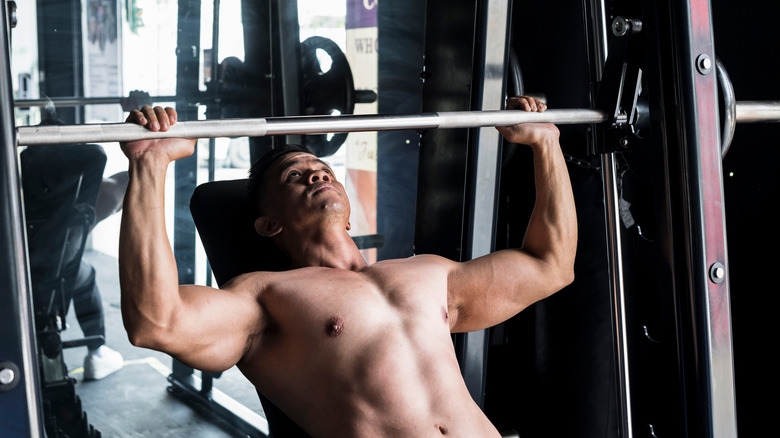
{"x": 561, "y": 368}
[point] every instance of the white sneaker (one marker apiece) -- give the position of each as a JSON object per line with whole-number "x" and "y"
{"x": 101, "y": 363}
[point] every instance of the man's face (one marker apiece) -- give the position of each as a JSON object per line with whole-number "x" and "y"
{"x": 303, "y": 187}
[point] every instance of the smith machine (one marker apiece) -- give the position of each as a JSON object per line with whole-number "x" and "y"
{"x": 655, "y": 77}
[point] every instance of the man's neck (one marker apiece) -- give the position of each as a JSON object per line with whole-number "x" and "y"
{"x": 328, "y": 247}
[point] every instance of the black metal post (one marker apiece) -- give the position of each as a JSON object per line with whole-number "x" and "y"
{"x": 20, "y": 405}
{"x": 484, "y": 171}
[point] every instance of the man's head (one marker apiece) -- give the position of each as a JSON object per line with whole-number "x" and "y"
{"x": 285, "y": 189}
{"x": 259, "y": 173}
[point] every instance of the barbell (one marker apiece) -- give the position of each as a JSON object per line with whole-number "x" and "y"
{"x": 258, "y": 127}
{"x": 746, "y": 112}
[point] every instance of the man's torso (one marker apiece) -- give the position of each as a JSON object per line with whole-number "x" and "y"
{"x": 363, "y": 353}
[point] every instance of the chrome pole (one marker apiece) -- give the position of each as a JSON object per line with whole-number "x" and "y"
{"x": 609, "y": 179}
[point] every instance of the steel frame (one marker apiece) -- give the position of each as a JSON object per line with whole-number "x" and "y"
{"x": 21, "y": 413}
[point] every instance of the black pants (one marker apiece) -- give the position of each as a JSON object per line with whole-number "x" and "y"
{"x": 87, "y": 304}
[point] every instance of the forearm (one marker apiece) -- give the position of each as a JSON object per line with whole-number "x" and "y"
{"x": 147, "y": 268}
{"x": 551, "y": 235}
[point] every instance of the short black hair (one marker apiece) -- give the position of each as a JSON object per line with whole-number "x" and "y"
{"x": 258, "y": 173}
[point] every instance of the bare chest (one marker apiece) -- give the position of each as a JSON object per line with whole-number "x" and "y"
{"x": 345, "y": 350}
{"x": 321, "y": 320}
{"x": 324, "y": 305}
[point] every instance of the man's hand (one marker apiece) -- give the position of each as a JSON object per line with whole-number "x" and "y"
{"x": 157, "y": 119}
{"x": 531, "y": 134}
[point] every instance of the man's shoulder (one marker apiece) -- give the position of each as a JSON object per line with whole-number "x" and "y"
{"x": 427, "y": 263}
{"x": 430, "y": 259}
{"x": 256, "y": 281}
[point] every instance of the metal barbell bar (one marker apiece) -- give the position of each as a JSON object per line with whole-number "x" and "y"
{"x": 758, "y": 111}
{"x": 748, "y": 112}
{"x": 258, "y": 127}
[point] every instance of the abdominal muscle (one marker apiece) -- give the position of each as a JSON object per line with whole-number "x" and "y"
{"x": 357, "y": 366}
{"x": 389, "y": 389}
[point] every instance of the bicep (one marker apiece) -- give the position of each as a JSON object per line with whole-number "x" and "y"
{"x": 491, "y": 289}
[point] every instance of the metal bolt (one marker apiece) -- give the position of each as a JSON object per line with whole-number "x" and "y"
{"x": 619, "y": 26}
{"x": 7, "y": 376}
{"x": 622, "y": 26}
{"x": 704, "y": 64}
{"x": 717, "y": 272}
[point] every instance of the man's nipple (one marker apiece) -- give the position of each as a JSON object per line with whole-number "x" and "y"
{"x": 334, "y": 326}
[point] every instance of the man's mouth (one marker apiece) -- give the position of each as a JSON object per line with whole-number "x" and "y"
{"x": 322, "y": 187}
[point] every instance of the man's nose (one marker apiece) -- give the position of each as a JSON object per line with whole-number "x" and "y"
{"x": 319, "y": 176}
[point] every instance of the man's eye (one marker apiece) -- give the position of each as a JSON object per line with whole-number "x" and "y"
{"x": 294, "y": 173}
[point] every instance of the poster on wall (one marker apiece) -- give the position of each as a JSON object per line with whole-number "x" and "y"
{"x": 102, "y": 58}
{"x": 361, "y": 147}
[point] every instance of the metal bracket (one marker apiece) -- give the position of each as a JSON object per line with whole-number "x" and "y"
{"x": 620, "y": 87}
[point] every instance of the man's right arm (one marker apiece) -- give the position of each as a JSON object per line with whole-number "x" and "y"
{"x": 492, "y": 288}
{"x": 205, "y": 328}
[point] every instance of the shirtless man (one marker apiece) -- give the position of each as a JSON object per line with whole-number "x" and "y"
{"x": 343, "y": 348}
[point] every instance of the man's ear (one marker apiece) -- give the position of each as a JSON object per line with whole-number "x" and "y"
{"x": 267, "y": 227}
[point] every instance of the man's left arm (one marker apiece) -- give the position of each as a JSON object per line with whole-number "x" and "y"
{"x": 491, "y": 289}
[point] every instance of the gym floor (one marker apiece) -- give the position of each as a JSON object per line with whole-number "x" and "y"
{"x": 134, "y": 402}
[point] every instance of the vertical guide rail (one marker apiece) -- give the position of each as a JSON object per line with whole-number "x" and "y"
{"x": 596, "y": 28}
{"x": 704, "y": 293}
{"x": 484, "y": 174}
{"x": 20, "y": 405}
{"x": 618, "y": 293}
